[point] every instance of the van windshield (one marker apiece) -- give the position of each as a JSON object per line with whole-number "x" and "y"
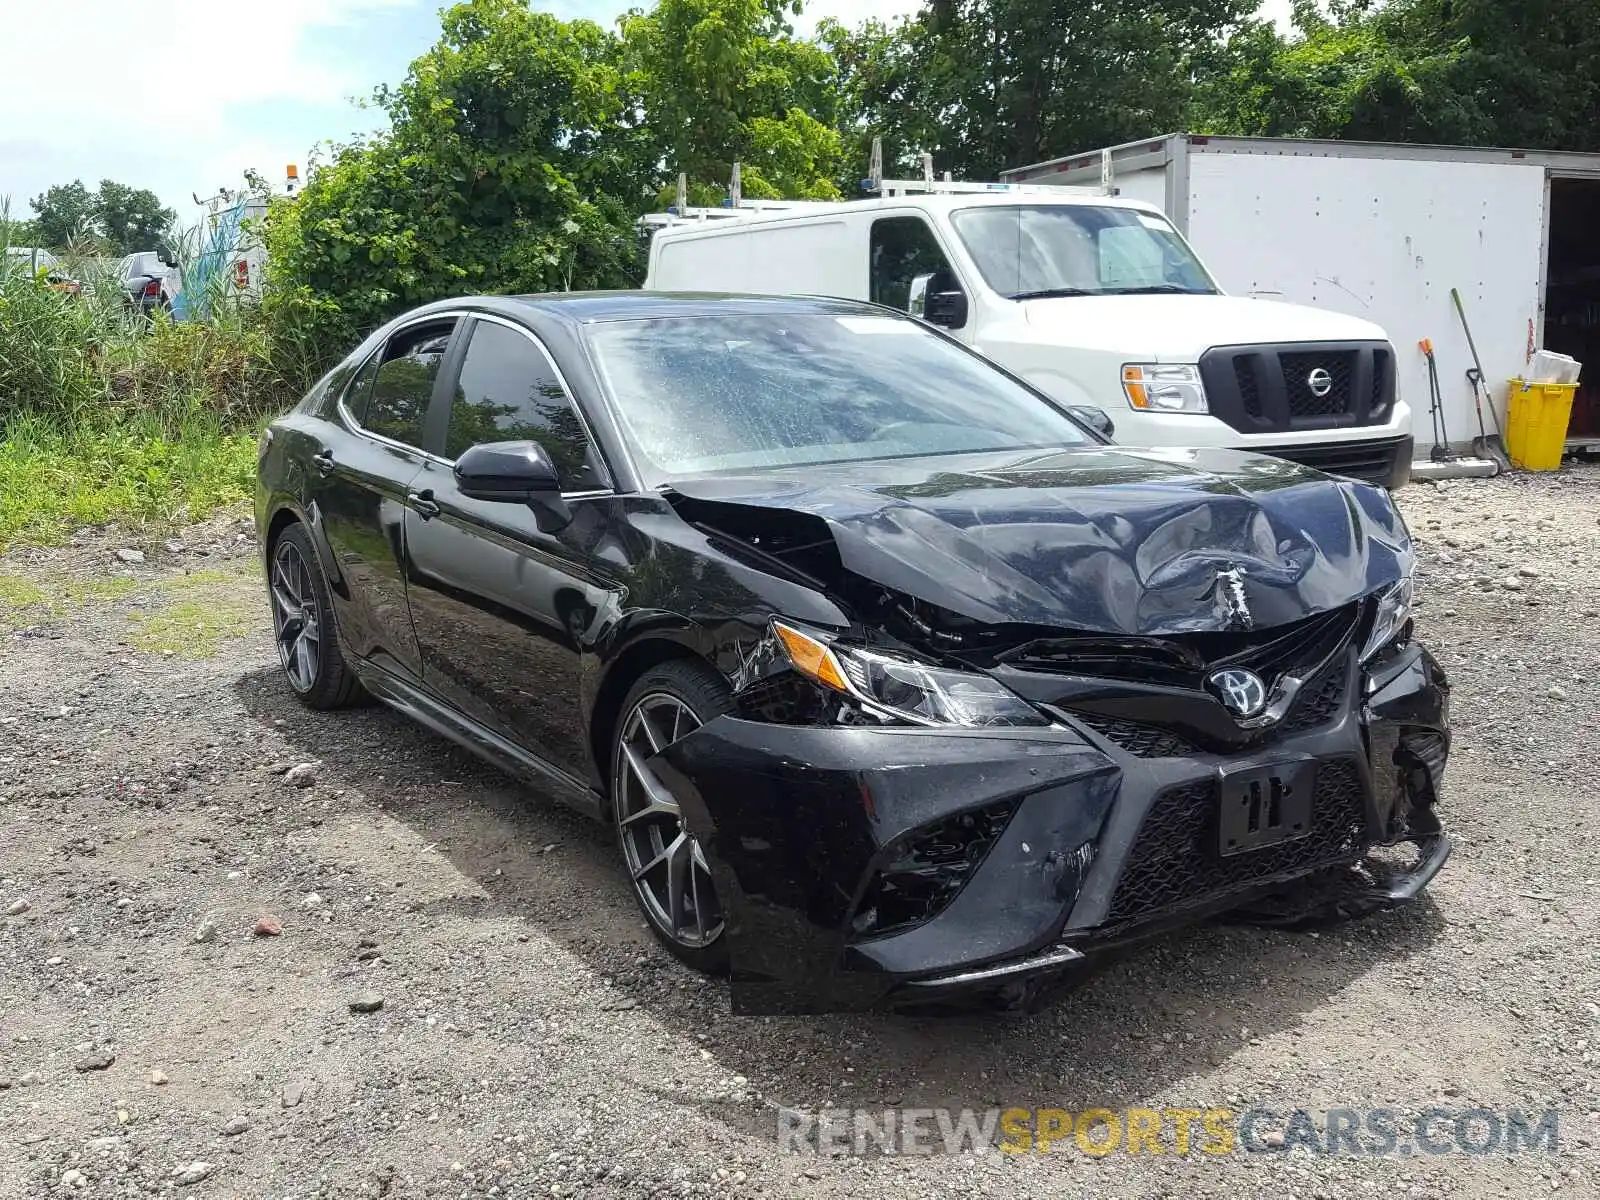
{"x": 739, "y": 391}
{"x": 1036, "y": 251}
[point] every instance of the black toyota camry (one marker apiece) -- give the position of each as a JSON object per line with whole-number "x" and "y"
{"x": 898, "y": 683}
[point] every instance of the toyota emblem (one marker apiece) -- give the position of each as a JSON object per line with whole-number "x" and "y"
{"x": 1242, "y": 692}
{"x": 1320, "y": 382}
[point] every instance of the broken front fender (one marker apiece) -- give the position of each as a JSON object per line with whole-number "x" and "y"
{"x": 820, "y": 838}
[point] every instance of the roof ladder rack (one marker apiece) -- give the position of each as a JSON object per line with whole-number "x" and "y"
{"x": 876, "y": 184}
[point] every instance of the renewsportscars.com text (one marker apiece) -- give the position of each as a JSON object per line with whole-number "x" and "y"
{"x": 1098, "y": 1132}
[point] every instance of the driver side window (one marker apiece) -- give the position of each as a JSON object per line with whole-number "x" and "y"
{"x": 509, "y": 392}
{"x": 901, "y": 249}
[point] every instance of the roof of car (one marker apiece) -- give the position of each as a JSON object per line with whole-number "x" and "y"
{"x": 586, "y": 307}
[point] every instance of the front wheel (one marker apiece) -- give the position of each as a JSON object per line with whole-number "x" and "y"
{"x": 666, "y": 865}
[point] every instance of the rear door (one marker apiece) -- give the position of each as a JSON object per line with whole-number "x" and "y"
{"x": 364, "y": 475}
{"x": 504, "y": 612}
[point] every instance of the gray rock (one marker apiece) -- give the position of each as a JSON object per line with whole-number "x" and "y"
{"x": 17, "y": 907}
{"x": 1511, "y": 585}
{"x": 98, "y": 1061}
{"x": 158, "y": 1076}
{"x": 193, "y": 1173}
{"x": 293, "y": 1093}
{"x": 207, "y": 931}
{"x": 27, "y": 1079}
{"x": 302, "y": 774}
{"x": 73, "y": 1178}
{"x": 131, "y": 556}
{"x": 236, "y": 1126}
{"x": 366, "y": 1002}
{"x": 1556, "y": 693}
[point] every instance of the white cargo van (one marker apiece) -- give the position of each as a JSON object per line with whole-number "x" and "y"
{"x": 1096, "y": 300}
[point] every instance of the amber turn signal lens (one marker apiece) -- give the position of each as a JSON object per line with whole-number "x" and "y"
{"x": 810, "y": 657}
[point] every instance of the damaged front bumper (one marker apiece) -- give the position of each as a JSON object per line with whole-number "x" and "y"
{"x": 861, "y": 866}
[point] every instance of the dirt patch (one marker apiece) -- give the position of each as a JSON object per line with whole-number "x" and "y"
{"x": 532, "y": 1041}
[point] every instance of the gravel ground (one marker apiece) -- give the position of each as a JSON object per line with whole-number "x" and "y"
{"x": 524, "y": 1037}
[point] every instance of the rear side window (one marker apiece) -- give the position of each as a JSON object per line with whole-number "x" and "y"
{"x": 390, "y": 395}
{"x": 902, "y": 249}
{"x": 509, "y": 392}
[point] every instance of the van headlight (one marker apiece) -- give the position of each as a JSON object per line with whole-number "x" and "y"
{"x": 895, "y": 686}
{"x": 1154, "y": 387}
{"x": 1394, "y": 610}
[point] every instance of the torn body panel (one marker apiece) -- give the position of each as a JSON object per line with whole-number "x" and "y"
{"x": 1097, "y": 847}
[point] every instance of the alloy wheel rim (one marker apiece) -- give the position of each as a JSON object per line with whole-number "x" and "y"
{"x": 294, "y": 617}
{"x": 666, "y": 863}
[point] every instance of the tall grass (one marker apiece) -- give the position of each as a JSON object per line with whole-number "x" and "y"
{"x": 106, "y": 415}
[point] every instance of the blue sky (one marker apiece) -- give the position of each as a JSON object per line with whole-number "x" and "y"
{"x": 182, "y": 96}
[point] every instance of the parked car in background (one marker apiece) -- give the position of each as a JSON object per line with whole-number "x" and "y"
{"x": 896, "y": 682}
{"x": 42, "y": 264}
{"x": 149, "y": 281}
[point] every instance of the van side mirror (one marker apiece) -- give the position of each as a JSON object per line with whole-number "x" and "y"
{"x": 167, "y": 257}
{"x": 937, "y": 299}
{"x": 1094, "y": 418}
{"x": 514, "y": 473}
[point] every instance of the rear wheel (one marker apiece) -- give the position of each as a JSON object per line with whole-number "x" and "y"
{"x": 666, "y": 865}
{"x": 302, "y": 625}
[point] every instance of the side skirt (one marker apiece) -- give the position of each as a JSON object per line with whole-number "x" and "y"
{"x": 485, "y": 743}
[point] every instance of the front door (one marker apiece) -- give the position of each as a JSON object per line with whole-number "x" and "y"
{"x": 503, "y": 610}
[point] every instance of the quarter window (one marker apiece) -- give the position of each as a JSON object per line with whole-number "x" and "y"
{"x": 902, "y": 249}
{"x": 509, "y": 392}
{"x": 395, "y": 404}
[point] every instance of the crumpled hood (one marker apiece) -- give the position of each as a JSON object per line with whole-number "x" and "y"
{"x": 1099, "y": 539}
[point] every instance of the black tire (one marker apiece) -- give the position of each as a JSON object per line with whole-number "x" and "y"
{"x": 700, "y": 693}
{"x": 314, "y": 667}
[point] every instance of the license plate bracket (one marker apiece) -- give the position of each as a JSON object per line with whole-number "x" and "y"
{"x": 1265, "y": 806}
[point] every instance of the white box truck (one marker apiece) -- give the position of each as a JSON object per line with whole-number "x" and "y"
{"x": 1095, "y": 299}
{"x": 1383, "y": 232}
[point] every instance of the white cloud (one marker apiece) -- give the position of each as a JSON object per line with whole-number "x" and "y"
{"x": 144, "y": 92}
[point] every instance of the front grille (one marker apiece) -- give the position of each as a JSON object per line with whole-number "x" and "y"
{"x": 1384, "y": 461}
{"x": 1244, "y": 370}
{"x": 1320, "y": 701}
{"x": 926, "y": 869}
{"x": 1175, "y": 861}
{"x": 1145, "y": 741}
{"x": 1266, "y": 389}
{"x": 1303, "y": 402}
{"x": 1383, "y": 388}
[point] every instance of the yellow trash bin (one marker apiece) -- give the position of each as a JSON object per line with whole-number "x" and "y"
{"x": 1536, "y": 423}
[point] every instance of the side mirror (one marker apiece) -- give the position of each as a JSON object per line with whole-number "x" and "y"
{"x": 937, "y": 299}
{"x": 1094, "y": 418}
{"x": 167, "y": 257}
{"x": 514, "y": 473}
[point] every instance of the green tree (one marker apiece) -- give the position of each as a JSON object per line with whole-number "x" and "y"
{"x": 725, "y": 80}
{"x": 990, "y": 84}
{"x": 124, "y": 219}
{"x": 64, "y": 214}
{"x": 131, "y": 219}
{"x": 516, "y": 161}
{"x": 1474, "y": 72}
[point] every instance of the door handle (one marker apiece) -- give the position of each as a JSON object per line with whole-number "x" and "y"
{"x": 423, "y": 503}
{"x": 324, "y": 462}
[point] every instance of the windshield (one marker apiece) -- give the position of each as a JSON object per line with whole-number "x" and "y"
{"x": 1033, "y": 251}
{"x": 740, "y": 391}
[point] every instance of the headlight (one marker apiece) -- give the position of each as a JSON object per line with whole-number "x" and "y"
{"x": 903, "y": 688}
{"x": 1154, "y": 388}
{"x": 1394, "y": 607}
